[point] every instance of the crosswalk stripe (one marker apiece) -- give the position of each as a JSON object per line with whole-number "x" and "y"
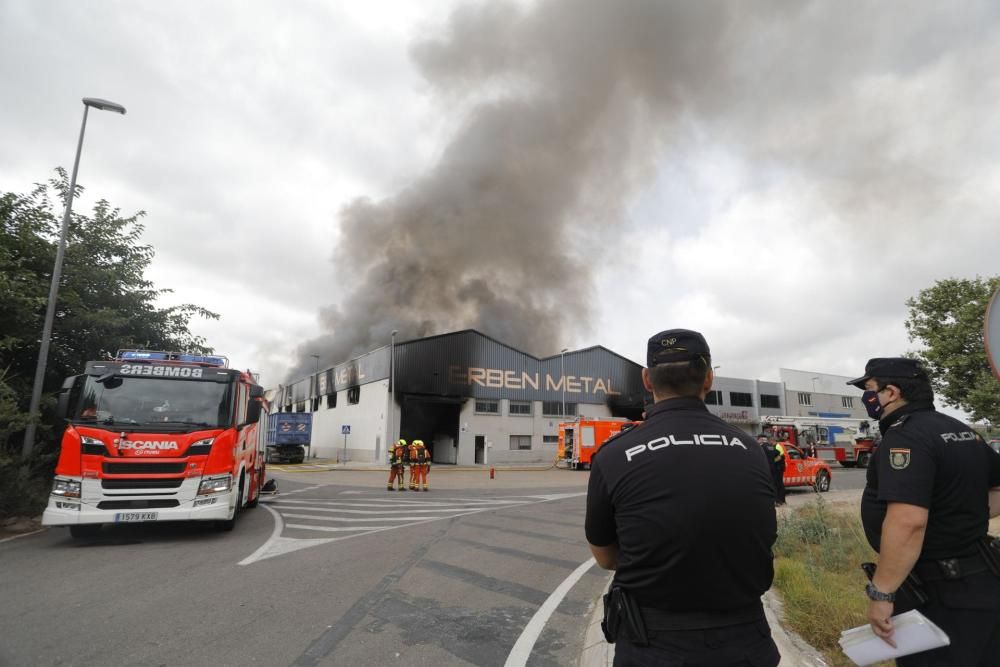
{"x": 337, "y": 529}
{"x": 301, "y": 505}
{"x": 352, "y": 518}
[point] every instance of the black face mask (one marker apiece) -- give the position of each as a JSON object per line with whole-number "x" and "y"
{"x": 872, "y": 405}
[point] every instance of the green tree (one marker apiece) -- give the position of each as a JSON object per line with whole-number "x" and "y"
{"x": 105, "y": 303}
{"x": 948, "y": 320}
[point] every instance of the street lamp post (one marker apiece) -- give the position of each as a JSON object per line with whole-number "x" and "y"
{"x": 562, "y": 370}
{"x": 392, "y": 382}
{"x": 50, "y": 311}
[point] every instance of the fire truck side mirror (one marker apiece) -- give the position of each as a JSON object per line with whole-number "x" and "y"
{"x": 64, "y": 405}
{"x": 254, "y": 404}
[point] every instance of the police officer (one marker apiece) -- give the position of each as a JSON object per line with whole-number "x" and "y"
{"x": 925, "y": 509}
{"x": 682, "y": 508}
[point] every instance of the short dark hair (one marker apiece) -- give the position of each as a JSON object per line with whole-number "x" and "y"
{"x": 680, "y": 378}
{"x": 913, "y": 389}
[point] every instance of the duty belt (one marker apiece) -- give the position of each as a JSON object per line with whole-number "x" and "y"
{"x": 950, "y": 568}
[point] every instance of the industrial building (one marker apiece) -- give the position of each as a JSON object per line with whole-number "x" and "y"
{"x": 472, "y": 399}
{"x": 475, "y": 400}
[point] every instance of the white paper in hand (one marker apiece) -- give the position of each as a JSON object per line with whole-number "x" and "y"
{"x": 912, "y": 631}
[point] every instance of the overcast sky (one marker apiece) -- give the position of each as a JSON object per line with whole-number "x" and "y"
{"x": 560, "y": 173}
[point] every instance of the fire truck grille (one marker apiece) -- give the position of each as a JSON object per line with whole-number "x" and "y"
{"x": 141, "y": 483}
{"x": 143, "y": 468}
{"x": 136, "y": 504}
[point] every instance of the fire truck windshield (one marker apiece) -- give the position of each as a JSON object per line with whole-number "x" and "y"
{"x": 121, "y": 401}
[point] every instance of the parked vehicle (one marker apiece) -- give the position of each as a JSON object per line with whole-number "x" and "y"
{"x": 288, "y": 435}
{"x": 848, "y": 442}
{"x": 802, "y": 470}
{"x": 579, "y": 440}
{"x": 157, "y": 436}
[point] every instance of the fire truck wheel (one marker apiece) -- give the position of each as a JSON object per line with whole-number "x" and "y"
{"x": 230, "y": 523}
{"x": 822, "y": 481}
{"x": 84, "y": 530}
{"x": 863, "y": 460}
{"x": 256, "y": 499}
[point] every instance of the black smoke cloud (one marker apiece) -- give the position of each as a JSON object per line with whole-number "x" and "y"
{"x": 562, "y": 105}
{"x": 567, "y": 106}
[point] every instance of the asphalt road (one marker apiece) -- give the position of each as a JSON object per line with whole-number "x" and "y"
{"x": 334, "y": 570}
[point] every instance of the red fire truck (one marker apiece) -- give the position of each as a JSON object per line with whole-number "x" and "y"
{"x": 848, "y": 442}
{"x": 158, "y": 436}
{"x": 579, "y": 440}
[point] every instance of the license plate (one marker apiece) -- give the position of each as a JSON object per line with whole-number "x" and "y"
{"x": 135, "y": 516}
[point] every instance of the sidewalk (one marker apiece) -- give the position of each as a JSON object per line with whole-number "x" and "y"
{"x": 795, "y": 652}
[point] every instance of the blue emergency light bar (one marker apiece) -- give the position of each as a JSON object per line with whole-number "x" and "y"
{"x": 183, "y": 357}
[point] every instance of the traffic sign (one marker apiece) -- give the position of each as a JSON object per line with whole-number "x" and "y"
{"x": 991, "y": 329}
{"x": 345, "y": 429}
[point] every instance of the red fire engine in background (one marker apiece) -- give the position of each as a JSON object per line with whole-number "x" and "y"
{"x": 578, "y": 440}
{"x": 848, "y": 442}
{"x": 158, "y": 436}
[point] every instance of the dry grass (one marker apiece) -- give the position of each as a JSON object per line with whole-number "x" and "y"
{"x": 817, "y": 572}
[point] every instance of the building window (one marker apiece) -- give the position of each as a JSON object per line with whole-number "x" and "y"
{"x": 554, "y": 409}
{"x": 550, "y": 439}
{"x": 520, "y": 442}
{"x": 740, "y": 399}
{"x": 354, "y": 395}
{"x": 520, "y": 408}
{"x": 331, "y": 400}
{"x": 488, "y": 407}
{"x": 847, "y": 401}
{"x": 713, "y": 397}
{"x": 770, "y": 401}
{"x": 315, "y": 404}
{"x": 300, "y": 406}
{"x": 805, "y": 398}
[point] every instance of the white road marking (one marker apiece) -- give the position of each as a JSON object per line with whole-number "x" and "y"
{"x": 339, "y": 529}
{"x": 345, "y": 518}
{"x": 521, "y": 651}
{"x": 278, "y": 545}
{"x": 15, "y": 537}
{"x": 299, "y": 506}
{"x": 279, "y": 525}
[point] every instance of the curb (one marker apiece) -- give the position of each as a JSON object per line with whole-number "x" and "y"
{"x": 794, "y": 650}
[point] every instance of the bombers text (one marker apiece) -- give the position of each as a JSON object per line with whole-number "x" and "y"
{"x": 160, "y": 371}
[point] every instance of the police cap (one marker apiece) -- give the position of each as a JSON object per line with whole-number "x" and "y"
{"x": 676, "y": 345}
{"x": 889, "y": 368}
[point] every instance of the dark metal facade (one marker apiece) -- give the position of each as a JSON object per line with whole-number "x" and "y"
{"x": 469, "y": 364}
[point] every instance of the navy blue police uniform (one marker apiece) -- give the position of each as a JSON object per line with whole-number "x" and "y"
{"x": 688, "y": 500}
{"x": 934, "y": 461}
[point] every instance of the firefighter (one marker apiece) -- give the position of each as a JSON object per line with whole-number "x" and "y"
{"x": 778, "y": 468}
{"x": 397, "y": 464}
{"x": 419, "y": 465}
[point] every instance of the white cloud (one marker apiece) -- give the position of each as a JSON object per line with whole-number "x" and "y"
{"x": 820, "y": 167}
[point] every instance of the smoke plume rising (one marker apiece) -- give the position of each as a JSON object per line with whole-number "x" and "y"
{"x": 567, "y": 106}
{"x": 561, "y": 104}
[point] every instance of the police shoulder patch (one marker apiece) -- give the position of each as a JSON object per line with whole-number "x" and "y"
{"x": 899, "y": 458}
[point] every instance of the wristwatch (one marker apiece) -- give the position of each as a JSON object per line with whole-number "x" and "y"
{"x": 877, "y": 595}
